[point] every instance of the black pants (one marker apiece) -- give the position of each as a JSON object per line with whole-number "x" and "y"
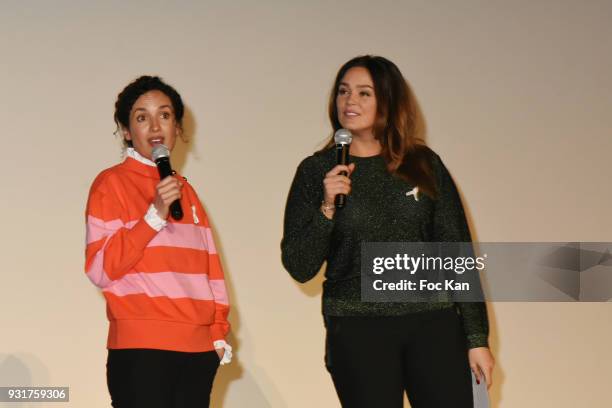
{"x": 139, "y": 378}
{"x": 373, "y": 360}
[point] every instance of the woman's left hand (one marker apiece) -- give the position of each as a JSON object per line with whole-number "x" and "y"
{"x": 482, "y": 363}
{"x": 220, "y": 353}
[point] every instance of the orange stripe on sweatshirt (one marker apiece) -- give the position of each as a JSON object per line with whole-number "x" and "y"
{"x": 173, "y": 235}
{"x": 141, "y": 306}
{"x": 159, "y": 259}
{"x": 170, "y": 284}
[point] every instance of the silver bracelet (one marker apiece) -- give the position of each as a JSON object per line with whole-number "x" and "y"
{"x": 327, "y": 207}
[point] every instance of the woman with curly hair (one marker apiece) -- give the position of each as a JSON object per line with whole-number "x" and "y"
{"x": 161, "y": 277}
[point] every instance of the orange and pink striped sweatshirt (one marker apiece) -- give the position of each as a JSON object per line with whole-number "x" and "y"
{"x": 164, "y": 290}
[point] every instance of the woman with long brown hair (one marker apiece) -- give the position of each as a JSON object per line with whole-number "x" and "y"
{"x": 398, "y": 190}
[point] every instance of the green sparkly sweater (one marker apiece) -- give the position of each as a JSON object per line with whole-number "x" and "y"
{"x": 377, "y": 210}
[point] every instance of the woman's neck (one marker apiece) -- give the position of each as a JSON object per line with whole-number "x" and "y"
{"x": 365, "y": 146}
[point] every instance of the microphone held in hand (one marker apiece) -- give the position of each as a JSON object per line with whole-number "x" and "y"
{"x": 343, "y": 139}
{"x": 161, "y": 157}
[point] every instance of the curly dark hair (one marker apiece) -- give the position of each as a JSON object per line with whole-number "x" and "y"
{"x": 141, "y": 85}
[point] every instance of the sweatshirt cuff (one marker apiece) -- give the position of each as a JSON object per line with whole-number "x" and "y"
{"x": 154, "y": 220}
{"x": 219, "y": 330}
{"x": 477, "y": 340}
{"x": 322, "y": 222}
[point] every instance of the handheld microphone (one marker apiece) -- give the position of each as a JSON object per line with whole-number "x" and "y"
{"x": 343, "y": 139}
{"x": 161, "y": 157}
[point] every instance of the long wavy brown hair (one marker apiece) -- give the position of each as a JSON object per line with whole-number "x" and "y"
{"x": 399, "y": 124}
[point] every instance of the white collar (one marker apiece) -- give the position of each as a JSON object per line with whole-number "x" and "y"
{"x": 131, "y": 152}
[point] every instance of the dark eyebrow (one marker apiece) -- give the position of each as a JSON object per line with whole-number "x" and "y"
{"x": 358, "y": 86}
{"x": 161, "y": 107}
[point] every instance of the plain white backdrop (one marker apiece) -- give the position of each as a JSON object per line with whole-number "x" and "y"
{"x": 516, "y": 96}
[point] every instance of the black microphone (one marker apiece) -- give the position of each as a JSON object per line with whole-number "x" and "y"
{"x": 343, "y": 139}
{"x": 161, "y": 157}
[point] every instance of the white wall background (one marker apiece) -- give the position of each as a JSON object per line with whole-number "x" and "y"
{"x": 516, "y": 95}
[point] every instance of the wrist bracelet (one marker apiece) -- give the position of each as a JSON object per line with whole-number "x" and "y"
{"x": 327, "y": 207}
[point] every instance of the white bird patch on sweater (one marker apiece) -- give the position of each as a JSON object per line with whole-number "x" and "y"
{"x": 414, "y": 192}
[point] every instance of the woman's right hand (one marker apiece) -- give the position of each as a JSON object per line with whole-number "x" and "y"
{"x": 335, "y": 183}
{"x": 167, "y": 191}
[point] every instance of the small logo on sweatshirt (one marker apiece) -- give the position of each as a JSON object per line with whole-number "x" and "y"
{"x": 414, "y": 192}
{"x": 196, "y": 220}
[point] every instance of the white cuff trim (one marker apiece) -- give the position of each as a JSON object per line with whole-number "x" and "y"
{"x": 227, "y": 354}
{"x": 153, "y": 219}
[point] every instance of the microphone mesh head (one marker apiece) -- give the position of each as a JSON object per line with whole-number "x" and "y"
{"x": 159, "y": 151}
{"x": 343, "y": 136}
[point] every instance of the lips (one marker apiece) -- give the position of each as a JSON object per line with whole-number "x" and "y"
{"x": 350, "y": 114}
{"x": 156, "y": 140}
